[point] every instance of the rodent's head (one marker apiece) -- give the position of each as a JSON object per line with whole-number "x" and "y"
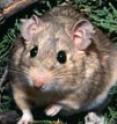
{"x": 53, "y": 52}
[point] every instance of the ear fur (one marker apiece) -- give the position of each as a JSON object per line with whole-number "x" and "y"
{"x": 82, "y": 33}
{"x": 30, "y": 27}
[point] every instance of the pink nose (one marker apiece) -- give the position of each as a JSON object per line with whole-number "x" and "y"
{"x": 41, "y": 79}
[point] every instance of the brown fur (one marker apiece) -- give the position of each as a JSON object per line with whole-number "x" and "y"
{"x": 87, "y": 75}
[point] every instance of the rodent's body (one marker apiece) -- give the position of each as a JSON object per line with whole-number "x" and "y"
{"x": 81, "y": 82}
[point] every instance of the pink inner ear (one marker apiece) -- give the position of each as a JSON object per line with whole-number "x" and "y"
{"x": 77, "y": 34}
{"x": 32, "y": 29}
{"x": 82, "y": 32}
{"x": 78, "y": 40}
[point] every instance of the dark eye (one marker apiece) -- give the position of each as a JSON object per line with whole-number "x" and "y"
{"x": 61, "y": 57}
{"x": 34, "y": 51}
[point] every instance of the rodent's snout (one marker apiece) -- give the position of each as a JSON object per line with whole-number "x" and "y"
{"x": 40, "y": 77}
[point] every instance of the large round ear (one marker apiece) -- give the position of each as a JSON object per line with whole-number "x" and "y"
{"x": 30, "y": 27}
{"x": 82, "y": 32}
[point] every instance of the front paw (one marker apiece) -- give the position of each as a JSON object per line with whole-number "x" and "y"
{"x": 93, "y": 118}
{"x": 53, "y": 110}
{"x": 26, "y": 119}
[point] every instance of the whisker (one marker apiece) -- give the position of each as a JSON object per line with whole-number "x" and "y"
{"x": 17, "y": 70}
{"x": 64, "y": 73}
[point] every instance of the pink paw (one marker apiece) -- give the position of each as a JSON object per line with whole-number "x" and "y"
{"x": 26, "y": 119}
{"x": 92, "y": 118}
{"x": 53, "y": 110}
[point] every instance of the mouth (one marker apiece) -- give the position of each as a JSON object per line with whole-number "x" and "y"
{"x": 44, "y": 85}
{"x": 50, "y": 87}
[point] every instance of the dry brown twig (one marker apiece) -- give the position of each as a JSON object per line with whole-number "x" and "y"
{"x": 7, "y": 10}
